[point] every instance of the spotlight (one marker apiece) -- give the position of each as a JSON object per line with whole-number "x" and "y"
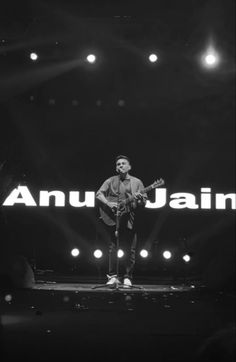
{"x": 121, "y": 103}
{"x": 74, "y": 102}
{"x": 51, "y": 101}
{"x": 211, "y": 58}
{"x": 152, "y": 58}
{"x": 91, "y": 58}
{"x": 167, "y": 254}
{"x": 33, "y": 56}
{"x": 8, "y": 297}
{"x": 186, "y": 258}
{"x": 144, "y": 253}
{"x": 97, "y": 254}
{"x": 98, "y": 103}
{"x": 120, "y": 253}
{"x": 75, "y": 252}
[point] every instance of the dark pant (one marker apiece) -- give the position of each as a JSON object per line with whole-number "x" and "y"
{"x": 127, "y": 241}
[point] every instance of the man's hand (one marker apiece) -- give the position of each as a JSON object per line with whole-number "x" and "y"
{"x": 139, "y": 197}
{"x": 112, "y": 205}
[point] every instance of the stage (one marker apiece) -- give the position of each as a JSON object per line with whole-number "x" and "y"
{"x": 57, "y": 321}
{"x": 87, "y": 288}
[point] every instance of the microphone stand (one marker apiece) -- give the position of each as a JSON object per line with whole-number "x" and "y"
{"x": 117, "y": 236}
{"x": 117, "y": 226}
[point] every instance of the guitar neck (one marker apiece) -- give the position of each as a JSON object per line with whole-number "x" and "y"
{"x": 147, "y": 189}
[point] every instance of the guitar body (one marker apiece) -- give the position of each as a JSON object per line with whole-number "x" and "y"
{"x": 107, "y": 214}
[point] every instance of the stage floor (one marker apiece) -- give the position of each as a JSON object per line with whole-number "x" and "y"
{"x": 97, "y": 287}
{"x": 59, "y": 321}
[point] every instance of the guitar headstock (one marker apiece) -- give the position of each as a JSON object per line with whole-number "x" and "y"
{"x": 158, "y": 183}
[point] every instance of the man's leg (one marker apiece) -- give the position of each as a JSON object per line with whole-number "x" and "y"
{"x": 112, "y": 256}
{"x": 112, "y": 259}
{"x": 131, "y": 256}
{"x": 108, "y": 235}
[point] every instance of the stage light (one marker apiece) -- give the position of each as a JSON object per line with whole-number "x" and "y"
{"x": 211, "y": 58}
{"x": 120, "y": 253}
{"x": 74, "y": 102}
{"x": 98, "y": 103}
{"x": 186, "y": 258}
{"x": 97, "y": 254}
{"x": 33, "y": 56}
{"x": 51, "y": 102}
{"x": 152, "y": 58}
{"x": 91, "y": 58}
{"x": 75, "y": 252}
{"x": 144, "y": 253}
{"x": 121, "y": 103}
{"x": 167, "y": 254}
{"x": 8, "y": 297}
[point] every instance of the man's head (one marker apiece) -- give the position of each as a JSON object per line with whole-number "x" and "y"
{"x": 123, "y": 165}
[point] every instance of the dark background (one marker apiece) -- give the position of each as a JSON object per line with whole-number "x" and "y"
{"x": 63, "y": 121}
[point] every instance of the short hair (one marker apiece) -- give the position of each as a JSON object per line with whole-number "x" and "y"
{"x": 123, "y": 156}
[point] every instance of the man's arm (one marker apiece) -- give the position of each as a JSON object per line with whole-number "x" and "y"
{"x": 101, "y": 195}
{"x": 139, "y": 196}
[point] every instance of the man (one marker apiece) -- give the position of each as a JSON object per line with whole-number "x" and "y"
{"x": 120, "y": 197}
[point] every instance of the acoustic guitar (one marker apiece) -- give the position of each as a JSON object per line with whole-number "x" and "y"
{"x": 109, "y": 215}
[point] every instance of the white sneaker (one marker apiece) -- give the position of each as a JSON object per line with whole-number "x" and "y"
{"x": 112, "y": 280}
{"x": 127, "y": 283}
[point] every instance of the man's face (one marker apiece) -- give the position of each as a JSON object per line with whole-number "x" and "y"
{"x": 122, "y": 165}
